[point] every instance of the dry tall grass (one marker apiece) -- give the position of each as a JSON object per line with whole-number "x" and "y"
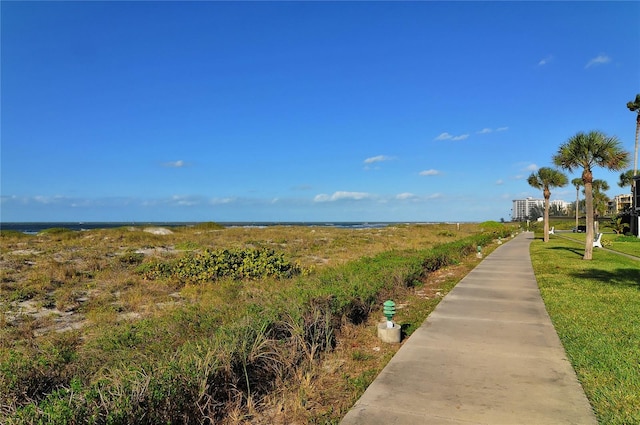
{"x": 264, "y": 351}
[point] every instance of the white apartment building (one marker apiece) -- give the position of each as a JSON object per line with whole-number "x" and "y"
{"x": 561, "y": 205}
{"x": 620, "y": 203}
{"x": 522, "y": 207}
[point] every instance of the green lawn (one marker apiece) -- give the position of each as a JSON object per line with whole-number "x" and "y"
{"x": 625, "y": 244}
{"x": 595, "y": 308}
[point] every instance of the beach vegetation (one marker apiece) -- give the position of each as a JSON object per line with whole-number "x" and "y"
{"x": 94, "y": 341}
{"x": 211, "y": 265}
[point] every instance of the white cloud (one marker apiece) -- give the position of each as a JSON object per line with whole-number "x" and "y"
{"x": 405, "y": 195}
{"x": 484, "y": 131}
{"x": 184, "y": 201}
{"x": 545, "y": 60}
{"x": 460, "y": 137}
{"x": 499, "y": 182}
{"x": 447, "y": 136}
{"x": 502, "y": 128}
{"x": 221, "y": 201}
{"x": 341, "y": 195}
{"x": 42, "y": 199}
{"x": 175, "y": 164}
{"x": 378, "y": 158}
{"x": 598, "y": 60}
{"x": 430, "y": 172}
{"x": 531, "y": 167}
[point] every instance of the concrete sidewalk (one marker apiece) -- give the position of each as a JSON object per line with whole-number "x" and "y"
{"x": 488, "y": 354}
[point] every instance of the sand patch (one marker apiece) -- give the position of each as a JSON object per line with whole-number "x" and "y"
{"x": 158, "y": 230}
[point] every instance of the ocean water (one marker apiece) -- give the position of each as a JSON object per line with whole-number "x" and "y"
{"x": 33, "y": 228}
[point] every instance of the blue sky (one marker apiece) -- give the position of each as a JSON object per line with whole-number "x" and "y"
{"x": 303, "y": 111}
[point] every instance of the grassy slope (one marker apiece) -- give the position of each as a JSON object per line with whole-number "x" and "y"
{"x": 595, "y": 307}
{"x": 171, "y": 348}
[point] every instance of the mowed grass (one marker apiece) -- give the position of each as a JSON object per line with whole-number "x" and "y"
{"x": 626, "y": 244}
{"x": 595, "y": 308}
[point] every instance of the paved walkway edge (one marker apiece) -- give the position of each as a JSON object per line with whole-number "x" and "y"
{"x": 488, "y": 354}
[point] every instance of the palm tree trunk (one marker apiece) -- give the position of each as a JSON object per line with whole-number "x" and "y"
{"x": 547, "y": 194}
{"x": 588, "y": 195}
{"x": 577, "y": 202}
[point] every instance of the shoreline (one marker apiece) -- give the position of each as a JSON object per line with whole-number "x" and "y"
{"x": 36, "y": 227}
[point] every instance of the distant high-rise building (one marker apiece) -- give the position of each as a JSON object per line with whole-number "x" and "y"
{"x": 522, "y": 208}
{"x": 560, "y": 205}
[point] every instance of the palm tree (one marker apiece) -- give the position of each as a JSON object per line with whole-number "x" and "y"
{"x": 600, "y": 201}
{"x": 626, "y": 178}
{"x": 586, "y": 151}
{"x": 545, "y": 179}
{"x": 577, "y": 183}
{"x": 635, "y": 107}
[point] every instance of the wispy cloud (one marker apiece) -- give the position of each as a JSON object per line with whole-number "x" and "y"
{"x": 172, "y": 201}
{"x": 379, "y": 158}
{"x": 341, "y": 195}
{"x": 184, "y": 201}
{"x": 405, "y": 195}
{"x": 50, "y": 199}
{"x": 447, "y": 136}
{"x": 175, "y": 164}
{"x": 598, "y": 60}
{"x": 488, "y": 130}
{"x": 430, "y": 172}
{"x": 531, "y": 167}
{"x": 545, "y": 61}
{"x": 499, "y": 182}
{"x": 221, "y": 201}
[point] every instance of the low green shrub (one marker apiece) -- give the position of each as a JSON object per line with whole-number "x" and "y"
{"x": 211, "y": 265}
{"x": 187, "y": 246}
{"x": 60, "y": 233}
{"x": 12, "y": 234}
{"x": 209, "y": 225}
{"x": 131, "y": 258}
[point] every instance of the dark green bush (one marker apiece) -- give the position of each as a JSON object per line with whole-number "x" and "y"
{"x": 56, "y": 231}
{"x": 209, "y": 225}
{"x": 211, "y": 265}
{"x": 131, "y": 258}
{"x": 12, "y": 234}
